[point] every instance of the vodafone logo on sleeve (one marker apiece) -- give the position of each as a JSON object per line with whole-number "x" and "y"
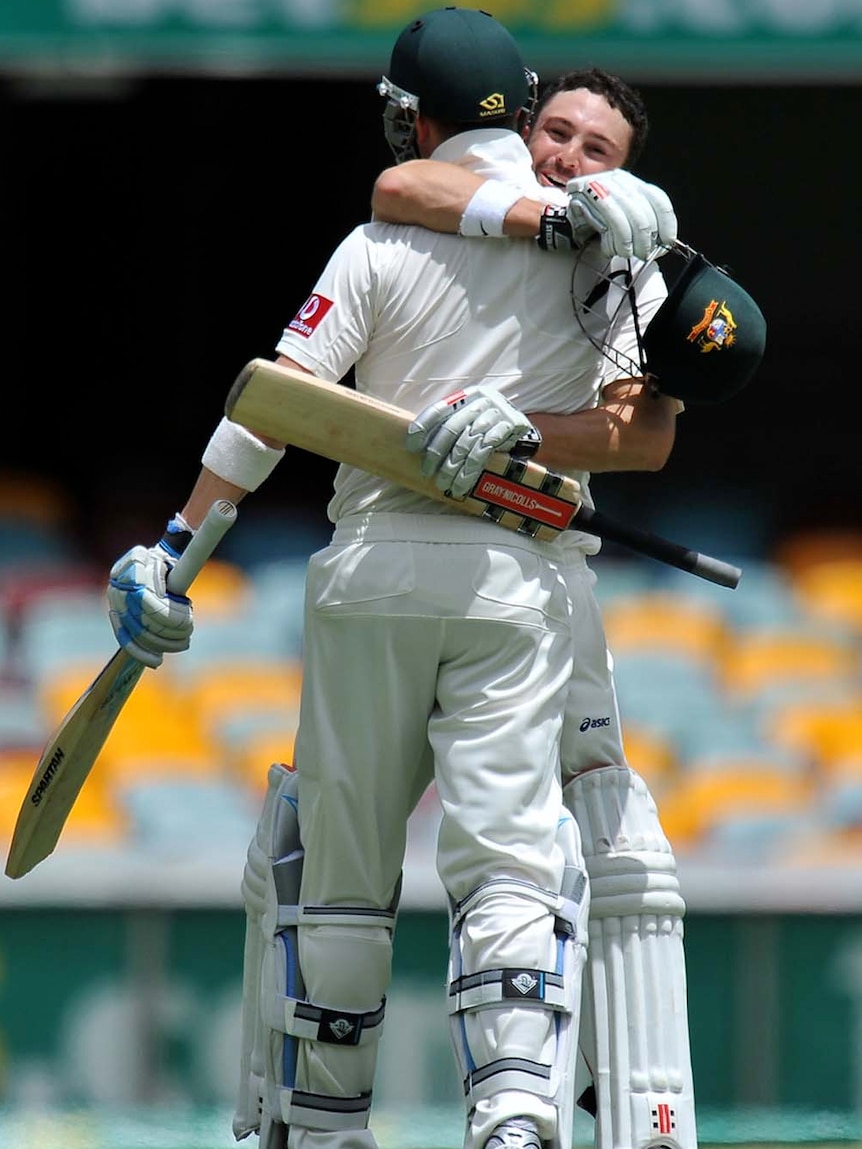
{"x": 306, "y": 320}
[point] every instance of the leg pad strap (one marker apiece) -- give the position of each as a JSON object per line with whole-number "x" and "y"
{"x": 281, "y": 1027}
{"x": 514, "y": 1025}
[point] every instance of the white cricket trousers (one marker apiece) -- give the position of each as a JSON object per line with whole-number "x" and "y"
{"x": 425, "y": 631}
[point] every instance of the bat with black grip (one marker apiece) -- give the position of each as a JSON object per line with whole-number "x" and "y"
{"x": 362, "y": 431}
{"x": 656, "y": 547}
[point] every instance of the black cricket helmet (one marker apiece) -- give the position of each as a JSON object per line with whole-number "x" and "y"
{"x": 704, "y": 343}
{"x": 456, "y": 65}
{"x": 707, "y": 339}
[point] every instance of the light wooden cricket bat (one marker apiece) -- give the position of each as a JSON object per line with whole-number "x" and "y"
{"x": 346, "y": 426}
{"x": 69, "y": 756}
{"x": 349, "y": 427}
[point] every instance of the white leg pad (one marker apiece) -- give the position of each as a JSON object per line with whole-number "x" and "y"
{"x": 634, "y": 1032}
{"x": 514, "y": 1026}
{"x": 277, "y": 1020}
{"x": 274, "y": 838}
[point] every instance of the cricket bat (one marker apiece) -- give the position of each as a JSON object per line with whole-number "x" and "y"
{"x": 69, "y": 756}
{"x": 347, "y": 426}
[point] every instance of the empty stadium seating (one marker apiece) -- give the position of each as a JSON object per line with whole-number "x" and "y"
{"x": 742, "y": 708}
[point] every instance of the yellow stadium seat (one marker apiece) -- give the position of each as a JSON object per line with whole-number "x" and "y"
{"x": 158, "y": 740}
{"x": 154, "y": 732}
{"x": 710, "y": 791}
{"x": 221, "y": 589}
{"x": 657, "y": 621}
{"x": 759, "y": 658}
{"x": 59, "y": 690}
{"x": 832, "y": 591}
{"x": 127, "y": 768}
{"x": 810, "y": 548}
{"x": 652, "y": 756}
{"x": 826, "y": 731}
{"x": 251, "y": 761}
{"x": 219, "y": 694}
{"x": 152, "y": 694}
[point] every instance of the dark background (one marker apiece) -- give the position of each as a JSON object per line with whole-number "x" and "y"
{"x": 159, "y": 234}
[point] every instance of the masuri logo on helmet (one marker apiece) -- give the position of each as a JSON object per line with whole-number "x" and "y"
{"x": 493, "y": 105}
{"x": 456, "y": 65}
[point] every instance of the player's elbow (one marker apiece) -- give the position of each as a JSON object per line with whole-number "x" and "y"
{"x": 655, "y": 461}
{"x": 646, "y": 445}
{"x": 655, "y": 451}
{"x": 390, "y": 194}
{"x": 649, "y": 436}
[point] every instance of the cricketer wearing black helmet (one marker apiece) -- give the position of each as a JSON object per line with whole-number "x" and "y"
{"x": 703, "y": 346}
{"x": 459, "y": 67}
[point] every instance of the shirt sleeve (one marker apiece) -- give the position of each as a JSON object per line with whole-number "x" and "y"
{"x": 331, "y": 329}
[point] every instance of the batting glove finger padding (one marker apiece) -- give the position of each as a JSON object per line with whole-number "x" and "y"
{"x": 148, "y": 621}
{"x": 429, "y": 419}
{"x": 459, "y": 434}
{"x": 632, "y": 217}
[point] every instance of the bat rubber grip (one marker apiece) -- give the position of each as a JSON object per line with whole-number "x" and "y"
{"x": 219, "y": 518}
{"x": 715, "y": 570}
{"x": 656, "y": 547}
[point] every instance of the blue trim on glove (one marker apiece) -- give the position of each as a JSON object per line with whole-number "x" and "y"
{"x": 176, "y": 538}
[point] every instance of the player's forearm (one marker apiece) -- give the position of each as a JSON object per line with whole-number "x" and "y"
{"x": 208, "y": 489}
{"x": 424, "y": 192}
{"x": 235, "y": 461}
{"x": 433, "y": 194}
{"x": 635, "y": 433}
{"x": 523, "y": 219}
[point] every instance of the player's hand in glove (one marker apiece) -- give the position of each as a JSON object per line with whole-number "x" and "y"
{"x": 457, "y": 435}
{"x": 148, "y": 620}
{"x": 632, "y": 217}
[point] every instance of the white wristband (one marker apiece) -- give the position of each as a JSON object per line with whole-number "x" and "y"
{"x": 485, "y": 212}
{"x": 239, "y": 457}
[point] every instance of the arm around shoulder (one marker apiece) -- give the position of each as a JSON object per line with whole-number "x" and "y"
{"x": 428, "y": 193}
{"x": 436, "y": 195}
{"x": 632, "y": 429}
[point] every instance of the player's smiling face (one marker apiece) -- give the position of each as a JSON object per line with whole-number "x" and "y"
{"x": 578, "y": 133}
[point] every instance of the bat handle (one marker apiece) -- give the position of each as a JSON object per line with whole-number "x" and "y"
{"x": 656, "y": 547}
{"x": 219, "y": 518}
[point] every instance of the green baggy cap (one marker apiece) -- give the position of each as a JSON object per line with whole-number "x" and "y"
{"x": 707, "y": 339}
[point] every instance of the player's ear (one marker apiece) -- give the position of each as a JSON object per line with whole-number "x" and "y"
{"x": 525, "y": 122}
{"x": 427, "y": 136}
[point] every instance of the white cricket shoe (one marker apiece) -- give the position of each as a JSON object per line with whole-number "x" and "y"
{"x": 516, "y": 1133}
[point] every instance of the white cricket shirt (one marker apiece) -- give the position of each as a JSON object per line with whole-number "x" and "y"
{"x": 420, "y": 314}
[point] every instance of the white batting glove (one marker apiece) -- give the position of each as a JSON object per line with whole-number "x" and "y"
{"x": 458, "y": 435}
{"x": 632, "y": 217}
{"x": 148, "y": 620}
